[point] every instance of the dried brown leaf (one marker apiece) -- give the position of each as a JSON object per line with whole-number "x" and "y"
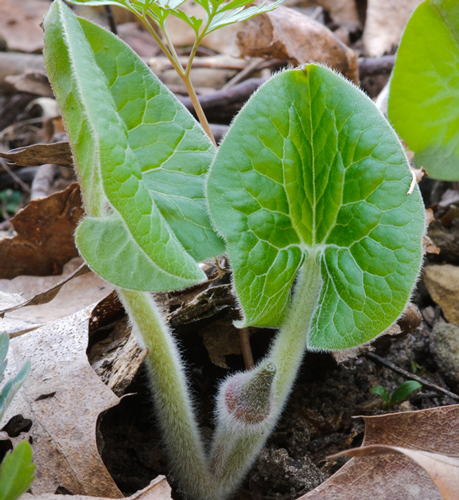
{"x": 20, "y": 24}
{"x": 385, "y": 22}
{"x": 44, "y": 240}
{"x": 442, "y": 282}
{"x": 63, "y": 398}
{"x": 158, "y": 489}
{"x": 442, "y": 469}
{"x": 32, "y": 82}
{"x": 42, "y": 297}
{"x": 65, "y": 294}
{"x": 396, "y": 477}
{"x": 288, "y": 35}
{"x": 58, "y": 153}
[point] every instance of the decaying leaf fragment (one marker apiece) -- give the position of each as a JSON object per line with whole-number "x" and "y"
{"x": 57, "y": 153}
{"x": 442, "y": 469}
{"x": 158, "y": 489}
{"x": 289, "y": 35}
{"x": 45, "y": 236}
{"x": 62, "y": 399}
{"x": 384, "y": 25}
{"x": 432, "y": 436}
{"x": 12, "y": 303}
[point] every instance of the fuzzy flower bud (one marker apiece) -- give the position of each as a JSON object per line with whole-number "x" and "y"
{"x": 248, "y": 396}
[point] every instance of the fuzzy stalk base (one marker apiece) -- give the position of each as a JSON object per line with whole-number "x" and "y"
{"x": 173, "y": 402}
{"x": 234, "y": 450}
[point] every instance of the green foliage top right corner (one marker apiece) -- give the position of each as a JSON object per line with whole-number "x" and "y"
{"x": 424, "y": 90}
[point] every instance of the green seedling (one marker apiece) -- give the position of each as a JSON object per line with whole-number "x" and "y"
{"x": 311, "y": 195}
{"x": 16, "y": 470}
{"x": 400, "y": 394}
{"x": 424, "y": 89}
{"x": 10, "y": 201}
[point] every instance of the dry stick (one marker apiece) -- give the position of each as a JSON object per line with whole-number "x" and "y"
{"x": 24, "y": 186}
{"x": 411, "y": 376}
{"x": 371, "y": 66}
{"x": 246, "y": 348}
{"x": 111, "y": 19}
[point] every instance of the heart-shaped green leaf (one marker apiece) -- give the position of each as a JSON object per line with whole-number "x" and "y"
{"x": 424, "y": 90}
{"x": 142, "y": 160}
{"x": 310, "y": 168}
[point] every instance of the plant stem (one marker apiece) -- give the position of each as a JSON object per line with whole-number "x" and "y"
{"x": 234, "y": 452}
{"x": 197, "y": 107}
{"x": 173, "y": 402}
{"x": 184, "y": 74}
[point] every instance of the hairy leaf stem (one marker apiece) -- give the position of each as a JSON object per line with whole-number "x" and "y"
{"x": 171, "y": 394}
{"x": 234, "y": 451}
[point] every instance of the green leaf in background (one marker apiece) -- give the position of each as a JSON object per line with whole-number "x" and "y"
{"x": 226, "y": 16}
{"x": 311, "y": 169}
{"x": 403, "y": 391}
{"x": 141, "y": 156}
{"x": 424, "y": 91}
{"x": 4, "y": 344}
{"x": 16, "y": 472}
{"x": 12, "y": 387}
{"x": 383, "y": 393}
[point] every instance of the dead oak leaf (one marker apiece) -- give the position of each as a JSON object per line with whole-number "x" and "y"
{"x": 62, "y": 399}
{"x": 442, "y": 469}
{"x": 158, "y": 489}
{"x": 396, "y": 477}
{"x": 288, "y": 35}
{"x": 44, "y": 241}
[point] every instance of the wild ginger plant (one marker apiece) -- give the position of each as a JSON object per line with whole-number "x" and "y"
{"x": 310, "y": 189}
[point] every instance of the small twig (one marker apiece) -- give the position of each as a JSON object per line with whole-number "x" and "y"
{"x": 221, "y": 98}
{"x": 111, "y": 19}
{"x": 243, "y": 74}
{"x": 24, "y": 186}
{"x": 246, "y": 348}
{"x": 411, "y": 376}
{"x": 371, "y": 66}
{"x": 41, "y": 184}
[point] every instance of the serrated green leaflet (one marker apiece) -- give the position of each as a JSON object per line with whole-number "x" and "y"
{"x": 310, "y": 167}
{"x": 424, "y": 91}
{"x": 16, "y": 472}
{"x": 142, "y": 160}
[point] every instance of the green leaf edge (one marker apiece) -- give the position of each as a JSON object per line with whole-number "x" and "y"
{"x": 17, "y": 472}
{"x": 253, "y": 320}
{"x": 152, "y": 277}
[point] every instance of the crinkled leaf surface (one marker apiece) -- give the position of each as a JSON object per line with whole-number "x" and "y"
{"x": 424, "y": 91}
{"x": 310, "y": 168}
{"x": 141, "y": 157}
{"x": 16, "y": 472}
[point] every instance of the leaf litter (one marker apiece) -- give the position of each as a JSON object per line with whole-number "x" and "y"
{"x": 428, "y": 437}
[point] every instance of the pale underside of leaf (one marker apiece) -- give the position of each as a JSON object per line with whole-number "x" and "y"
{"x": 424, "y": 93}
{"x": 141, "y": 158}
{"x": 311, "y": 167}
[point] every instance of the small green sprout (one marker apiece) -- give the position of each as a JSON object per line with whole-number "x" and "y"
{"x": 400, "y": 394}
